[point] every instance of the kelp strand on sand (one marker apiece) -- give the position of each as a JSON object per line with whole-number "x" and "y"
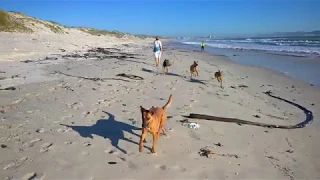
{"x": 308, "y": 120}
{"x": 129, "y": 76}
{"x": 90, "y": 78}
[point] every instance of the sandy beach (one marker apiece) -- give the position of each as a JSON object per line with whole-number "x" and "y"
{"x": 71, "y": 117}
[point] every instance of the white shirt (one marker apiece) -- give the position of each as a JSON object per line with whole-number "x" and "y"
{"x": 157, "y": 43}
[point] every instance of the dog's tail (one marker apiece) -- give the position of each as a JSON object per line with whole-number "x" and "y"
{"x": 168, "y": 103}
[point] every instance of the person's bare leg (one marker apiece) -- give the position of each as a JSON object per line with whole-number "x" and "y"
{"x": 156, "y": 60}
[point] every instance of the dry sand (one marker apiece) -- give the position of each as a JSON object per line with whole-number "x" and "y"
{"x": 102, "y": 120}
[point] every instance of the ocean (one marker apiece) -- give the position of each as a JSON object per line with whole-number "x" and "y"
{"x": 298, "y": 57}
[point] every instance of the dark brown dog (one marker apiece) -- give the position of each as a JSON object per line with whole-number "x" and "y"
{"x": 165, "y": 65}
{"x": 218, "y": 76}
{"x": 194, "y": 69}
{"x": 152, "y": 122}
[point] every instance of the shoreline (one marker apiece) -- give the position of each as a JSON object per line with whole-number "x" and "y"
{"x": 100, "y": 119}
{"x": 229, "y": 60}
{"x": 234, "y": 56}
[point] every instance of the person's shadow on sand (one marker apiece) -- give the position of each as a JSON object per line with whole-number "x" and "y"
{"x": 107, "y": 128}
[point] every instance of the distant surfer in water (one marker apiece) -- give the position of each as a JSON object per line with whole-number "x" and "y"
{"x": 202, "y": 46}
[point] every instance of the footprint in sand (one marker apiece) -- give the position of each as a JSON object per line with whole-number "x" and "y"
{"x": 112, "y": 151}
{"x": 84, "y": 153}
{"x": 132, "y": 165}
{"x": 68, "y": 142}
{"x": 32, "y": 143}
{"x": 75, "y": 105}
{"x": 45, "y": 147}
{"x": 40, "y": 130}
{"x": 175, "y": 168}
{"x": 16, "y": 164}
{"x": 179, "y": 168}
{"x": 29, "y": 176}
{"x": 66, "y": 117}
{"x": 162, "y": 167}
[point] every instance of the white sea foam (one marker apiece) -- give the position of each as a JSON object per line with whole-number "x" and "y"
{"x": 246, "y": 45}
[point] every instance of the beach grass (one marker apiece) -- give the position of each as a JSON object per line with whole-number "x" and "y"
{"x": 8, "y": 24}
{"x": 98, "y": 32}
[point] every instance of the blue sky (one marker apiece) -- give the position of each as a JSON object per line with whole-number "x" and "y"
{"x": 177, "y": 17}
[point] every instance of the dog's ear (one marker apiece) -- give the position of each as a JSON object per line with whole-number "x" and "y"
{"x": 142, "y": 109}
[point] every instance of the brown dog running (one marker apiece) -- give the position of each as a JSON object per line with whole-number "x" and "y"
{"x": 194, "y": 69}
{"x": 165, "y": 65}
{"x": 152, "y": 122}
{"x": 218, "y": 76}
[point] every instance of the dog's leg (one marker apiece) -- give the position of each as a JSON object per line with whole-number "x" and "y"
{"x": 155, "y": 138}
{"x": 218, "y": 79}
{"x": 163, "y": 131}
{"x": 143, "y": 136}
{"x": 163, "y": 119}
{"x": 221, "y": 82}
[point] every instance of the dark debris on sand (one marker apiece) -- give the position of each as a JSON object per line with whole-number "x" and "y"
{"x": 103, "y": 53}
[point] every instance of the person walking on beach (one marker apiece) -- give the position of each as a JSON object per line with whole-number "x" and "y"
{"x": 202, "y": 46}
{"x": 157, "y": 49}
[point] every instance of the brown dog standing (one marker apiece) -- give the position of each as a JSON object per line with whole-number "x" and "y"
{"x": 152, "y": 122}
{"x": 194, "y": 69}
{"x": 218, "y": 76}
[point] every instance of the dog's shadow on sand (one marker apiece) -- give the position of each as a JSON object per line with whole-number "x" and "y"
{"x": 161, "y": 72}
{"x": 197, "y": 81}
{"x": 192, "y": 80}
{"x": 108, "y": 128}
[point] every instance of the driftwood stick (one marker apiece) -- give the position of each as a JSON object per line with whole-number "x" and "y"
{"x": 235, "y": 120}
{"x": 308, "y": 120}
